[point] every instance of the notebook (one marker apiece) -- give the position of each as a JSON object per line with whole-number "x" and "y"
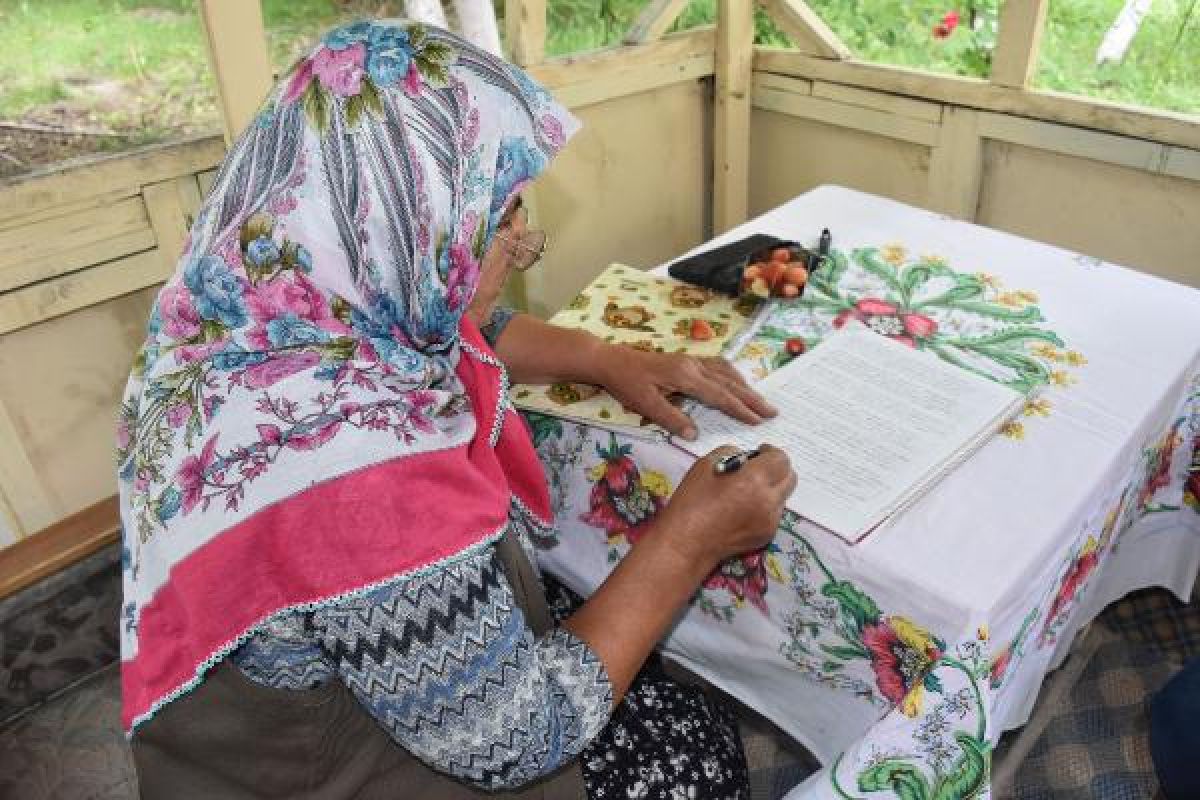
{"x": 650, "y": 312}
{"x": 869, "y": 424}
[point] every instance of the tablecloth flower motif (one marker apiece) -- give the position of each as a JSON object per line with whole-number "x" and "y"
{"x": 840, "y": 637}
{"x": 623, "y": 499}
{"x": 941, "y": 753}
{"x": 968, "y": 319}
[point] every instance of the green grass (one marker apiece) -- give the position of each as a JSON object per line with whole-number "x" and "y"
{"x": 139, "y": 65}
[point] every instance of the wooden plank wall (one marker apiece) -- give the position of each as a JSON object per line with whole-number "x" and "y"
{"x": 1124, "y": 198}
{"x": 82, "y": 248}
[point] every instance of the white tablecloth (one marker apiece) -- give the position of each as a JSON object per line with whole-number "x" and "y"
{"x": 900, "y": 660}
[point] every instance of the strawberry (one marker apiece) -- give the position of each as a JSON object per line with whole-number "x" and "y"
{"x": 701, "y": 331}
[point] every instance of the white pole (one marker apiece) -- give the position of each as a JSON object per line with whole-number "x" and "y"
{"x": 1116, "y": 42}
{"x": 428, "y": 11}
{"x": 477, "y": 23}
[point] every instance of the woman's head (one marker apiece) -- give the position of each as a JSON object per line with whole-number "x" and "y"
{"x": 388, "y": 157}
{"x": 515, "y": 247}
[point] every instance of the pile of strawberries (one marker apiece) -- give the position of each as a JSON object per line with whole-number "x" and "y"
{"x": 777, "y": 273}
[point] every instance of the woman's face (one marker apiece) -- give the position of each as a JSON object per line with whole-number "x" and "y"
{"x": 497, "y": 264}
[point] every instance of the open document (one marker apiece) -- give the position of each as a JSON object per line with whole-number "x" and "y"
{"x": 869, "y": 425}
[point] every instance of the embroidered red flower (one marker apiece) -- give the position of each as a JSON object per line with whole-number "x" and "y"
{"x": 1077, "y": 575}
{"x": 890, "y": 320}
{"x": 946, "y": 27}
{"x": 744, "y": 577}
{"x": 902, "y": 653}
{"x": 1160, "y": 469}
{"x": 623, "y": 501}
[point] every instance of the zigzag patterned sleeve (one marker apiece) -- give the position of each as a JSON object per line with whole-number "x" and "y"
{"x": 447, "y": 664}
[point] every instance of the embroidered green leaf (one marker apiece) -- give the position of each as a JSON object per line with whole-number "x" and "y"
{"x": 932, "y": 682}
{"x": 854, "y": 602}
{"x": 868, "y": 259}
{"x": 544, "y": 427}
{"x": 842, "y": 652}
{"x": 966, "y": 288}
{"x": 1027, "y": 314}
{"x": 316, "y": 107}
{"x": 900, "y": 777}
{"x": 826, "y": 277}
{"x": 1006, "y": 336}
{"x": 968, "y": 775}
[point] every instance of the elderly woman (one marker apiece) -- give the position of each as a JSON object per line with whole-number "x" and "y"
{"x": 325, "y": 492}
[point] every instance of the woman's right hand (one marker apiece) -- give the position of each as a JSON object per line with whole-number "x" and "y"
{"x": 714, "y": 517}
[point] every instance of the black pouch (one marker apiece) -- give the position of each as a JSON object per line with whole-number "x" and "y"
{"x": 721, "y": 268}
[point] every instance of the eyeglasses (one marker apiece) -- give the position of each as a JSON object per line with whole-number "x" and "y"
{"x": 526, "y": 249}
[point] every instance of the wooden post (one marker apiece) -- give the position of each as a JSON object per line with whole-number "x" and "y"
{"x": 805, "y": 28}
{"x": 655, "y": 19}
{"x": 525, "y": 27}
{"x": 1018, "y": 42}
{"x": 731, "y": 117}
{"x": 956, "y": 164}
{"x": 237, "y": 51}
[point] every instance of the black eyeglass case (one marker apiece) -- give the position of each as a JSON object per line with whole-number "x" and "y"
{"x": 721, "y": 269}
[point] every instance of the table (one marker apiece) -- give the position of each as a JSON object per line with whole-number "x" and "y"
{"x": 899, "y": 661}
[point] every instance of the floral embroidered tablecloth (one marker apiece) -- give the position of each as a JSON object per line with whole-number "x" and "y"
{"x": 900, "y": 661}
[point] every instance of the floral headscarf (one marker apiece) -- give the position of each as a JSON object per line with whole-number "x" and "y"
{"x": 311, "y": 414}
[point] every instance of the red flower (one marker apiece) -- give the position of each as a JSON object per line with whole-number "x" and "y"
{"x": 947, "y": 25}
{"x": 1160, "y": 472}
{"x": 901, "y": 653}
{"x": 1074, "y": 580}
{"x": 999, "y": 666}
{"x": 744, "y": 577}
{"x": 619, "y": 503}
{"x": 890, "y": 320}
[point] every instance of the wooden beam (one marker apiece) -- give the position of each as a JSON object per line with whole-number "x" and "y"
{"x": 1106, "y": 148}
{"x": 237, "y": 51}
{"x": 1161, "y": 126}
{"x": 795, "y": 96}
{"x": 1018, "y": 42}
{"x": 104, "y": 177}
{"x": 956, "y": 165}
{"x": 49, "y": 299}
{"x": 655, "y": 19}
{"x": 731, "y": 116}
{"x": 59, "y": 546}
{"x": 805, "y": 28}
{"x": 60, "y": 245}
{"x": 556, "y": 73}
{"x": 525, "y": 29}
{"x": 25, "y": 493}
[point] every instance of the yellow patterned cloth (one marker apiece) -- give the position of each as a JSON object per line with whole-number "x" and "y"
{"x": 650, "y": 312}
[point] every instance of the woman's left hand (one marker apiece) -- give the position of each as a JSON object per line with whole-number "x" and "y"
{"x": 642, "y": 381}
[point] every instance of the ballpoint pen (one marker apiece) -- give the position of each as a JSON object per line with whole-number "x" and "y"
{"x": 734, "y": 461}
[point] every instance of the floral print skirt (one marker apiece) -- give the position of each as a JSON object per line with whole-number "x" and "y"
{"x": 666, "y": 739}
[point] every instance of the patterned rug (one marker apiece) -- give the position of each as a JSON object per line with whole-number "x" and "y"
{"x": 1087, "y": 739}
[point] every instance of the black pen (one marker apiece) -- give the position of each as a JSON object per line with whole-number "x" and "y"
{"x": 823, "y": 248}
{"x": 734, "y": 461}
